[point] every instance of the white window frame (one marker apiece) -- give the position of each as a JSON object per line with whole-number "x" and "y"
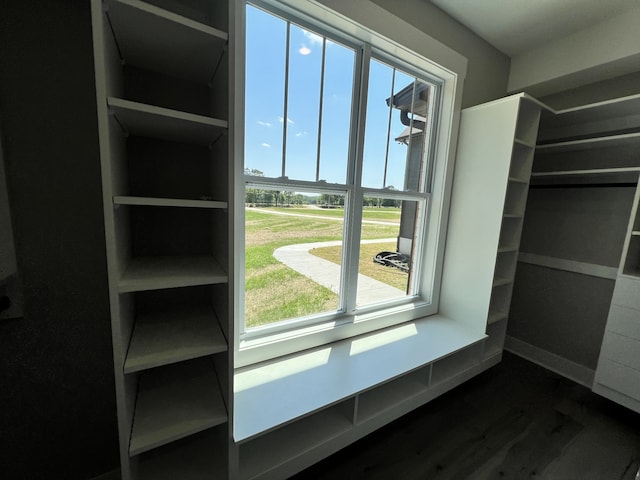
{"x": 282, "y": 338}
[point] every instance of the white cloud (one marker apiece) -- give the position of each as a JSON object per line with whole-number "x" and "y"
{"x": 265, "y": 124}
{"x": 304, "y": 50}
{"x": 265, "y": 145}
{"x": 289, "y": 121}
{"x": 301, "y": 134}
{"x": 313, "y": 38}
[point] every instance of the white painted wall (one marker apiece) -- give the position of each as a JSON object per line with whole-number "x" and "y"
{"x": 606, "y": 50}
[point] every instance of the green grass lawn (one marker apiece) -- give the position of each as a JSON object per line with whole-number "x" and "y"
{"x": 275, "y": 292}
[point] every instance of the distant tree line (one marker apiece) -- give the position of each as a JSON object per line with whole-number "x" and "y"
{"x": 258, "y": 197}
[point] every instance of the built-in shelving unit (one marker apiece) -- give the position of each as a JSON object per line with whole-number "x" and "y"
{"x": 162, "y": 87}
{"x": 495, "y": 153}
{"x": 425, "y": 359}
{"x": 494, "y": 161}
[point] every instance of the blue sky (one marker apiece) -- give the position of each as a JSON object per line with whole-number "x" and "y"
{"x": 264, "y": 103}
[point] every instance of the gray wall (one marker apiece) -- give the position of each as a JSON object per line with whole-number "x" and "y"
{"x": 57, "y": 415}
{"x": 557, "y": 311}
{"x": 488, "y": 68}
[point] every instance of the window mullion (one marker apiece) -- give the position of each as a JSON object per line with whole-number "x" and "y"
{"x": 320, "y": 106}
{"x": 286, "y": 100}
{"x": 353, "y": 214}
{"x": 386, "y": 151}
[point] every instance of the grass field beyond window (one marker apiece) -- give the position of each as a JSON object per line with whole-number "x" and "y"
{"x": 273, "y": 291}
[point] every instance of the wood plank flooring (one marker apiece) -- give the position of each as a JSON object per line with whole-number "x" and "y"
{"x": 515, "y": 421}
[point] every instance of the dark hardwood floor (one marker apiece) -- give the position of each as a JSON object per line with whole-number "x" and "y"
{"x": 515, "y": 421}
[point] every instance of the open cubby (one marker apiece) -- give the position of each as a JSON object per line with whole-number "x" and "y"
{"x": 506, "y": 265}
{"x": 516, "y": 198}
{"x": 510, "y": 231}
{"x": 172, "y": 231}
{"x": 176, "y": 401}
{"x": 500, "y": 298}
{"x": 259, "y": 457}
{"x": 173, "y": 325}
{"x": 521, "y": 159}
{"x": 494, "y": 342}
{"x": 527, "y": 123}
{"x": 392, "y": 394}
{"x": 191, "y": 458}
{"x": 632, "y": 260}
{"x": 153, "y": 88}
{"x": 164, "y": 41}
{"x": 456, "y": 363}
{"x": 166, "y": 169}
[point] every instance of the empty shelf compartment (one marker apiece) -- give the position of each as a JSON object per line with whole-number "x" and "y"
{"x": 174, "y": 402}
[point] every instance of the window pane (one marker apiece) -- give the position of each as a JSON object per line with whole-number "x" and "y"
{"x": 387, "y": 248}
{"x": 397, "y": 105}
{"x": 336, "y": 112}
{"x": 292, "y": 255}
{"x": 305, "y": 64}
{"x": 264, "y": 93}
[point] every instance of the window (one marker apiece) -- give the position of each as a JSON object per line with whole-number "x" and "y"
{"x": 339, "y": 164}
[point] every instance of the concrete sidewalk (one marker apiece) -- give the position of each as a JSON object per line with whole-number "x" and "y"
{"x": 327, "y": 273}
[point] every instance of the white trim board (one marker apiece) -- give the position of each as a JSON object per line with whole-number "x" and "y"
{"x": 560, "y": 365}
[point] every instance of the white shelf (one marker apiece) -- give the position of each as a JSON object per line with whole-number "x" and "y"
{"x": 523, "y": 143}
{"x": 586, "y": 176}
{"x": 198, "y": 457}
{"x": 518, "y": 180}
{"x": 169, "y": 337}
{"x": 154, "y": 273}
{"x": 591, "y": 269}
{"x": 507, "y": 248}
{"x": 610, "y": 115}
{"x": 499, "y": 281}
{"x": 166, "y": 124}
{"x": 590, "y": 143}
{"x": 175, "y": 402}
{"x": 152, "y": 38}
{"x": 167, "y": 202}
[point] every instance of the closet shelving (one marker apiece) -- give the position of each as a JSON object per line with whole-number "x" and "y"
{"x": 162, "y": 89}
{"x": 583, "y": 155}
{"x": 526, "y": 131}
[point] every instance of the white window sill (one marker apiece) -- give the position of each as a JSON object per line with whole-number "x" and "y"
{"x": 275, "y": 392}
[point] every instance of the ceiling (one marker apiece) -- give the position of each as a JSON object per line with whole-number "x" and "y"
{"x": 514, "y": 26}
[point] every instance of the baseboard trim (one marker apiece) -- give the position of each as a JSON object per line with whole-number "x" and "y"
{"x": 560, "y": 365}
